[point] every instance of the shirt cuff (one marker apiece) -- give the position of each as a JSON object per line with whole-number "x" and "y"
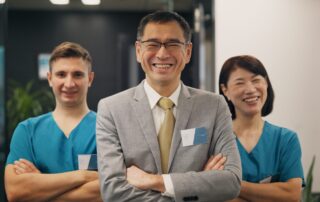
{"x": 168, "y": 185}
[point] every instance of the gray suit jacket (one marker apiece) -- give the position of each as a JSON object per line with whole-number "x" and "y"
{"x": 126, "y": 136}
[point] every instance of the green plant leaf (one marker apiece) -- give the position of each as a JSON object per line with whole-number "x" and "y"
{"x": 25, "y": 101}
{"x": 307, "y": 191}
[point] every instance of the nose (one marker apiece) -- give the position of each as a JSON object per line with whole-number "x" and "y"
{"x": 250, "y": 87}
{"x": 69, "y": 82}
{"x": 162, "y": 53}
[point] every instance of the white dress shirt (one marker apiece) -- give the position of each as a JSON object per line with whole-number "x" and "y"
{"x": 158, "y": 117}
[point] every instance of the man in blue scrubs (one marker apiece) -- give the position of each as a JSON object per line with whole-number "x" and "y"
{"x": 43, "y": 161}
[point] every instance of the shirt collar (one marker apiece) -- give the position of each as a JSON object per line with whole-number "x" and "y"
{"x": 154, "y": 97}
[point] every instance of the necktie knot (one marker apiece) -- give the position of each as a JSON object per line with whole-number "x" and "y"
{"x": 165, "y": 103}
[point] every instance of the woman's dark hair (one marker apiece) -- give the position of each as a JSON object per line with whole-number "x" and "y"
{"x": 252, "y": 65}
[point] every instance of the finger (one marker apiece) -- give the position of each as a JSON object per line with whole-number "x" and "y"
{"x": 20, "y": 165}
{"x": 24, "y": 166}
{"x": 212, "y": 161}
{"x": 19, "y": 170}
{"x": 30, "y": 165}
{"x": 215, "y": 160}
{"x": 26, "y": 163}
{"x": 219, "y": 163}
{"x": 206, "y": 167}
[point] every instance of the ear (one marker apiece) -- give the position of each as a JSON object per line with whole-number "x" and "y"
{"x": 188, "y": 52}
{"x": 224, "y": 91}
{"x": 91, "y": 77}
{"x": 138, "y": 51}
{"x": 49, "y": 77}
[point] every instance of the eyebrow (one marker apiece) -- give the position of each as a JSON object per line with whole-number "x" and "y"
{"x": 166, "y": 40}
{"x": 256, "y": 75}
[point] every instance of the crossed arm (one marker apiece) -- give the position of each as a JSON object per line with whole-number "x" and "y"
{"x": 271, "y": 192}
{"x": 24, "y": 182}
{"x": 146, "y": 181}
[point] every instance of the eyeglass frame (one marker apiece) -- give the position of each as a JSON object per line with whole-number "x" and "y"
{"x": 164, "y": 44}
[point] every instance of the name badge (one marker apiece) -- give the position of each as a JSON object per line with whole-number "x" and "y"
{"x": 265, "y": 180}
{"x": 194, "y": 136}
{"x": 87, "y": 162}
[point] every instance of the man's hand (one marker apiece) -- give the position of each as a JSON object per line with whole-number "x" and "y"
{"x": 215, "y": 163}
{"x": 89, "y": 175}
{"x": 138, "y": 178}
{"x": 22, "y": 166}
{"x": 143, "y": 180}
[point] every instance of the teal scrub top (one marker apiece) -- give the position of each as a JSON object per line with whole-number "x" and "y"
{"x": 42, "y": 142}
{"x": 275, "y": 158}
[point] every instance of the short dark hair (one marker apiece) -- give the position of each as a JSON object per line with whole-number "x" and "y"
{"x": 164, "y": 17}
{"x": 70, "y": 50}
{"x": 252, "y": 65}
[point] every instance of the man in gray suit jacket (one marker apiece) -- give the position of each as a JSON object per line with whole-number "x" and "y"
{"x": 130, "y": 162}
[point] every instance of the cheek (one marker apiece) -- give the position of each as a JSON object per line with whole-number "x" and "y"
{"x": 263, "y": 89}
{"x": 144, "y": 55}
{"x": 234, "y": 93}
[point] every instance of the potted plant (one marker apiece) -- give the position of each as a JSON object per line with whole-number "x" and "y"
{"x": 307, "y": 191}
{"x": 26, "y": 101}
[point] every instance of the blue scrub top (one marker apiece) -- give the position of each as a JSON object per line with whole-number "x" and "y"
{"x": 41, "y": 141}
{"x": 275, "y": 158}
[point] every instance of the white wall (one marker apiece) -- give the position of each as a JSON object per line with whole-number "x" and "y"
{"x": 285, "y": 36}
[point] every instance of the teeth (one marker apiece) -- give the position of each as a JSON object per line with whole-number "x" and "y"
{"x": 162, "y": 66}
{"x": 251, "y": 99}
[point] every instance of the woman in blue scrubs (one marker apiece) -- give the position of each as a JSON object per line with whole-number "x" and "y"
{"x": 270, "y": 154}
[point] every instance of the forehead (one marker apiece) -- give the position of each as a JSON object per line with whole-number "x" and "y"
{"x": 70, "y": 64}
{"x": 163, "y": 31}
{"x": 242, "y": 73}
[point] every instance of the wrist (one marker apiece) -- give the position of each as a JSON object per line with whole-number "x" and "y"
{"x": 157, "y": 183}
{"x": 81, "y": 176}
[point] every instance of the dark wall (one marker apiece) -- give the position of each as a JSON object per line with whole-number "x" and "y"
{"x": 3, "y": 17}
{"x": 31, "y": 33}
{"x": 106, "y": 35}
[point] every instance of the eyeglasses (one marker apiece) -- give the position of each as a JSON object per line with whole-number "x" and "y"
{"x": 155, "y": 46}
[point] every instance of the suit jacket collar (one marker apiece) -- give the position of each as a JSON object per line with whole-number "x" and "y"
{"x": 182, "y": 117}
{"x": 145, "y": 118}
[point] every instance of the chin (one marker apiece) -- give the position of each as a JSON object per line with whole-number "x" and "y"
{"x": 254, "y": 113}
{"x": 71, "y": 104}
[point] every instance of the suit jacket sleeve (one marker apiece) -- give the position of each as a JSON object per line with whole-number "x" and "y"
{"x": 213, "y": 185}
{"x": 111, "y": 165}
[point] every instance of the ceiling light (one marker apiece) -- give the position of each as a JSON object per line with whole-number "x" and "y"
{"x": 91, "y": 2}
{"x": 2, "y": 1}
{"x": 60, "y": 2}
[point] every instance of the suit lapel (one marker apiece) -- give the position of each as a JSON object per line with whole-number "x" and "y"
{"x": 144, "y": 116}
{"x": 184, "y": 109}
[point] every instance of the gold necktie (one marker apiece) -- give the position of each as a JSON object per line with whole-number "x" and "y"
{"x": 165, "y": 132}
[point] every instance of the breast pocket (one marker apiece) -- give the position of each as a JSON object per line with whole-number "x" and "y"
{"x": 194, "y": 136}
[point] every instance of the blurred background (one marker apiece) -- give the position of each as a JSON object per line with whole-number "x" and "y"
{"x": 283, "y": 34}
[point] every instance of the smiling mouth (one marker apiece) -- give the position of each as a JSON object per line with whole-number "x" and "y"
{"x": 162, "y": 66}
{"x": 69, "y": 93}
{"x": 251, "y": 99}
